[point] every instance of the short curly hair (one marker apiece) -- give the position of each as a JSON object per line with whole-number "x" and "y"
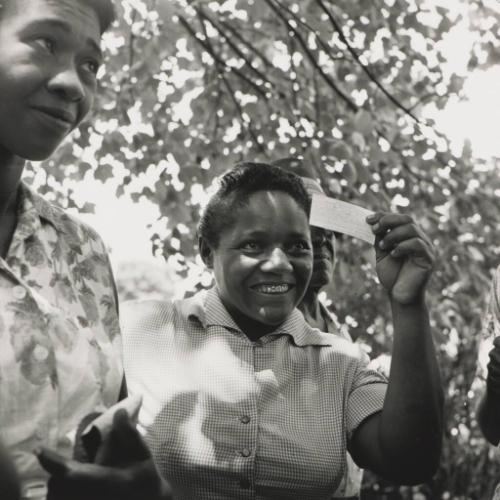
{"x": 104, "y": 9}
{"x": 235, "y": 188}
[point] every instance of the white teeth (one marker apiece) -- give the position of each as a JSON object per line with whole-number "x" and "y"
{"x": 273, "y": 288}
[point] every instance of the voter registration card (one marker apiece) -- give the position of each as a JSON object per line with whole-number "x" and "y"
{"x": 341, "y": 217}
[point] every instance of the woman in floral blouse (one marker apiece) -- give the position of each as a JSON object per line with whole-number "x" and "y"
{"x": 60, "y": 355}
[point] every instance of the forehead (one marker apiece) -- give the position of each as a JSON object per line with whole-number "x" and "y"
{"x": 272, "y": 211}
{"x": 79, "y": 17}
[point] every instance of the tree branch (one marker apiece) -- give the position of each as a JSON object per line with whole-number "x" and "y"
{"x": 220, "y": 61}
{"x": 231, "y": 44}
{"x": 365, "y": 68}
{"x": 351, "y": 105}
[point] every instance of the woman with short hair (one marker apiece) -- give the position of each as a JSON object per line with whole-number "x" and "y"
{"x": 242, "y": 399}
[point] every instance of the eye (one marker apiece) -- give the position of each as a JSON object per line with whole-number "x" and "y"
{"x": 91, "y": 66}
{"x": 46, "y": 43}
{"x": 301, "y": 246}
{"x": 251, "y": 246}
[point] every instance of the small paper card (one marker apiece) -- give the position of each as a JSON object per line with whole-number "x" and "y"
{"x": 103, "y": 423}
{"x": 341, "y": 217}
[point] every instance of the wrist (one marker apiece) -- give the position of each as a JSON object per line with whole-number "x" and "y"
{"x": 416, "y": 302}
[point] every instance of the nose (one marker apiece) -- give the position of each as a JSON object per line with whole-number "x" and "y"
{"x": 67, "y": 84}
{"x": 277, "y": 260}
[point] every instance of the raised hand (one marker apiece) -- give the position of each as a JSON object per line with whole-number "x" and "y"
{"x": 405, "y": 255}
{"x": 123, "y": 469}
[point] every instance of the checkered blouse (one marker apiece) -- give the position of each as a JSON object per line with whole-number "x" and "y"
{"x": 227, "y": 418}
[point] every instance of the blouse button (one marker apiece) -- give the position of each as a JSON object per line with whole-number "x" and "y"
{"x": 40, "y": 353}
{"x": 19, "y": 292}
{"x": 245, "y": 452}
{"x": 244, "y": 419}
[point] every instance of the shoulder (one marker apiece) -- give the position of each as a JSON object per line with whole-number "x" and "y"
{"x": 69, "y": 227}
{"x": 145, "y": 314}
{"x": 153, "y": 315}
{"x": 348, "y": 350}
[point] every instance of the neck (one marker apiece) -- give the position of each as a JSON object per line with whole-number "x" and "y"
{"x": 11, "y": 169}
{"x": 254, "y": 330}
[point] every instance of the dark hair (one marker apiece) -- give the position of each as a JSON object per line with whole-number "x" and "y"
{"x": 236, "y": 186}
{"x": 104, "y": 9}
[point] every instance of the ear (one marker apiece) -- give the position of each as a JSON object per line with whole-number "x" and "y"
{"x": 206, "y": 252}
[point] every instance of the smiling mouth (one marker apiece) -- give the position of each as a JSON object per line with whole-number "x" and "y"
{"x": 273, "y": 289}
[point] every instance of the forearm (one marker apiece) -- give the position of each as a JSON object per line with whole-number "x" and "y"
{"x": 488, "y": 416}
{"x": 411, "y": 422}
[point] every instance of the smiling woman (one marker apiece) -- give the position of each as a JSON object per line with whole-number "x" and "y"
{"x": 255, "y": 236}
{"x": 242, "y": 398}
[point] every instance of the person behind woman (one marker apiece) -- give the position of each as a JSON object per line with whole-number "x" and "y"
{"x": 242, "y": 398}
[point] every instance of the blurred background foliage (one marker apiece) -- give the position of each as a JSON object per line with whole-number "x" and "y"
{"x": 191, "y": 87}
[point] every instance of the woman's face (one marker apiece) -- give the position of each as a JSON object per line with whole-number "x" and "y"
{"x": 48, "y": 62}
{"x": 263, "y": 262}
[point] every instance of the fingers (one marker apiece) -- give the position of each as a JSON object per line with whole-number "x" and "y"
{"x": 399, "y": 235}
{"x": 80, "y": 481}
{"x": 417, "y": 248}
{"x": 52, "y": 462}
{"x": 382, "y": 222}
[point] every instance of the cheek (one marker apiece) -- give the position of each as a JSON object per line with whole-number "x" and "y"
{"x": 304, "y": 272}
{"x": 86, "y": 104}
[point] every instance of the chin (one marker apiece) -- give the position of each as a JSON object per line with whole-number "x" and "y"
{"x": 39, "y": 153}
{"x": 273, "y": 318}
{"x": 319, "y": 280}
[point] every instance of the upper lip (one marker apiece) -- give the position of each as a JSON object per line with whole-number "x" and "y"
{"x": 60, "y": 113}
{"x": 272, "y": 283}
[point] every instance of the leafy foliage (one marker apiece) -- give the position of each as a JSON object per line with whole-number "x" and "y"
{"x": 190, "y": 88}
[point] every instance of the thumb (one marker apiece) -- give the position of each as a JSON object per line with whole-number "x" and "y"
{"x": 125, "y": 441}
{"x": 52, "y": 462}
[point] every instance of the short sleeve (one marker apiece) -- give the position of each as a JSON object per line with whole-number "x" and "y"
{"x": 366, "y": 395}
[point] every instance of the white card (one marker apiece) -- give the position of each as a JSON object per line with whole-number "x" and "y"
{"x": 341, "y": 217}
{"x": 103, "y": 423}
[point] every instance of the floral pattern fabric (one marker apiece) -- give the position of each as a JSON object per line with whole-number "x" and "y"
{"x": 60, "y": 346}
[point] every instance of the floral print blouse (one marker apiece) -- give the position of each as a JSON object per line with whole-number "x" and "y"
{"x": 60, "y": 351}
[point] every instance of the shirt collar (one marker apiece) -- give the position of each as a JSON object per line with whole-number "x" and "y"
{"x": 32, "y": 208}
{"x": 207, "y": 308}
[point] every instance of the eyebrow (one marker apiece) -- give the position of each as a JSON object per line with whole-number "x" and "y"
{"x": 61, "y": 25}
{"x": 263, "y": 234}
